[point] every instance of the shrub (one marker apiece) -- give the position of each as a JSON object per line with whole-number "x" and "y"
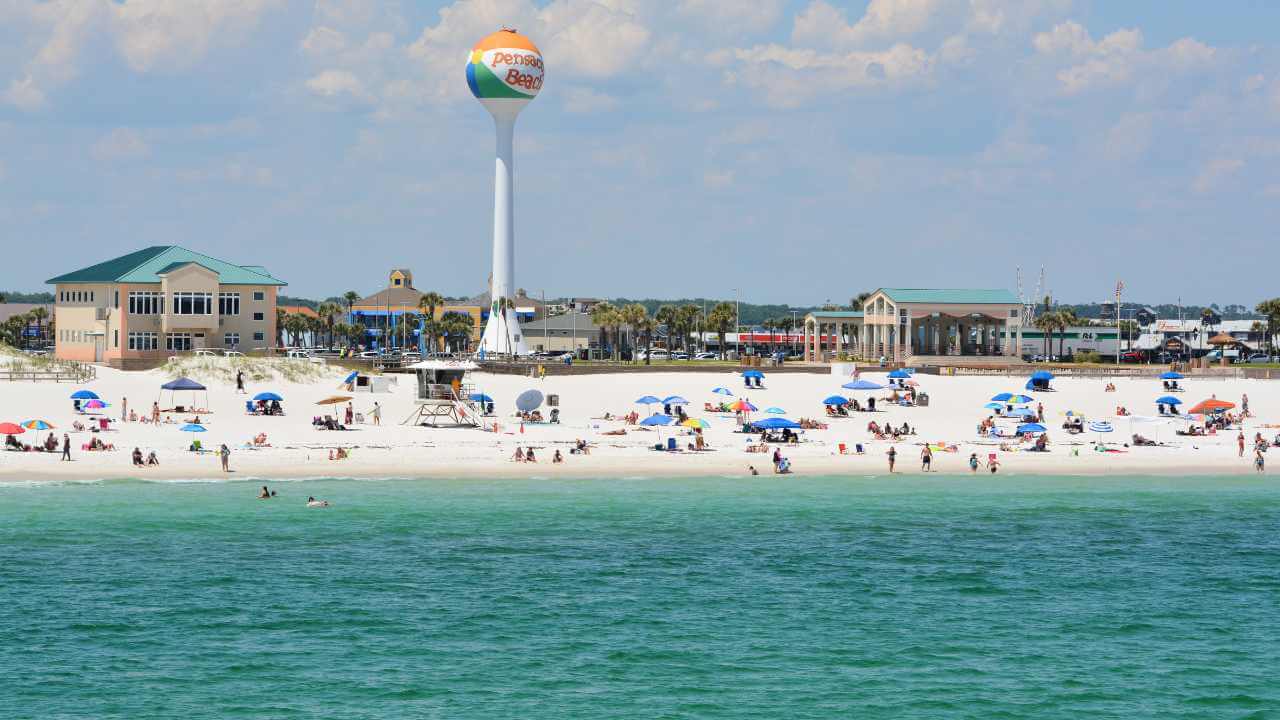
{"x": 1088, "y": 356}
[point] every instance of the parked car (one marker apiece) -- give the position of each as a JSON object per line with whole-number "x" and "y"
{"x": 705, "y": 356}
{"x": 655, "y": 354}
{"x": 370, "y": 354}
{"x": 232, "y": 353}
{"x": 1131, "y": 356}
{"x": 205, "y": 353}
{"x": 679, "y": 356}
{"x": 1259, "y": 358}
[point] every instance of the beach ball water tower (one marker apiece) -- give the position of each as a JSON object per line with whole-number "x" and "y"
{"x": 505, "y": 72}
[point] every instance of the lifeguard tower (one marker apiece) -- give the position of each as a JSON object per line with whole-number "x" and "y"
{"x": 444, "y": 394}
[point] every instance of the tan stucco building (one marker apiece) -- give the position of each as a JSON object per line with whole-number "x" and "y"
{"x": 150, "y": 304}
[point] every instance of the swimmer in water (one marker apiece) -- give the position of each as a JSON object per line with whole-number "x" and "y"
{"x": 265, "y": 494}
{"x": 313, "y": 502}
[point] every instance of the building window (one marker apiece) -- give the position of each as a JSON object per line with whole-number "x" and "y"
{"x": 228, "y": 303}
{"x": 144, "y": 341}
{"x": 177, "y": 342}
{"x": 90, "y": 296}
{"x": 230, "y": 340}
{"x": 146, "y": 302}
{"x": 116, "y": 302}
{"x": 259, "y": 296}
{"x": 192, "y": 303}
{"x": 258, "y": 337}
{"x": 258, "y": 317}
{"x": 115, "y": 338}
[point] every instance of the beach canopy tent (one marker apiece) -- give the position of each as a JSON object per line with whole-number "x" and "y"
{"x": 861, "y": 384}
{"x": 1030, "y": 428}
{"x": 267, "y": 397}
{"x": 835, "y": 400}
{"x": 1171, "y": 375}
{"x": 657, "y": 420}
{"x": 900, "y": 374}
{"x": 184, "y": 384}
{"x": 1168, "y": 400}
{"x": 756, "y": 374}
{"x": 722, "y": 391}
{"x": 1211, "y": 406}
{"x": 84, "y": 395}
{"x": 1039, "y": 380}
{"x": 649, "y": 400}
{"x": 529, "y": 400}
{"x": 775, "y": 423}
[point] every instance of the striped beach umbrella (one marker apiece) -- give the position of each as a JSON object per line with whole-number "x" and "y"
{"x": 37, "y": 425}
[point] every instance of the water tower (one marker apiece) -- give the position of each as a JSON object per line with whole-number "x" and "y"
{"x": 505, "y": 72}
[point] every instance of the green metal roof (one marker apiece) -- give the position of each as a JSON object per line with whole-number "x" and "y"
{"x": 957, "y": 297}
{"x": 836, "y": 313}
{"x": 145, "y": 266}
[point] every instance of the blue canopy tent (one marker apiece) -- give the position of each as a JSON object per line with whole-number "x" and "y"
{"x": 775, "y": 423}
{"x": 900, "y": 374}
{"x": 753, "y": 378}
{"x": 1171, "y": 375}
{"x": 184, "y": 384}
{"x": 753, "y": 374}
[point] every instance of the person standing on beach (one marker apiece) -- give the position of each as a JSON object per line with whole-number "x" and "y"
{"x": 124, "y": 409}
{"x": 1039, "y": 412}
{"x": 66, "y": 447}
{"x": 155, "y": 412}
{"x": 224, "y": 452}
{"x": 240, "y": 382}
{"x": 1240, "y": 442}
{"x": 1244, "y": 405}
{"x": 893, "y": 458}
{"x": 1259, "y": 460}
{"x": 973, "y": 463}
{"x": 926, "y": 458}
{"x": 376, "y": 413}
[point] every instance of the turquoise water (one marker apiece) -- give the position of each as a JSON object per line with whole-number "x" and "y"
{"x": 716, "y": 598}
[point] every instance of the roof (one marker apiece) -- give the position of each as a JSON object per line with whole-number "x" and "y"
{"x": 8, "y": 310}
{"x": 298, "y": 309}
{"x": 954, "y": 297}
{"x": 146, "y": 266}
{"x": 392, "y": 296}
{"x": 556, "y": 323}
{"x": 835, "y": 314}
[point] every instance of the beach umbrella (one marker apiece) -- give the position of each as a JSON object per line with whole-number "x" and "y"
{"x": 11, "y": 429}
{"x": 674, "y": 400}
{"x": 192, "y": 428}
{"x": 723, "y": 391}
{"x": 993, "y": 406}
{"x": 1211, "y": 406}
{"x": 94, "y": 405}
{"x": 480, "y": 398}
{"x": 1030, "y": 428}
{"x": 37, "y": 425}
{"x": 1168, "y": 400}
{"x": 742, "y": 406}
{"x": 1171, "y": 375}
{"x": 529, "y": 400}
{"x": 657, "y": 420}
{"x": 862, "y": 385}
{"x": 648, "y": 400}
{"x": 1013, "y": 398}
{"x": 835, "y": 400}
{"x": 1101, "y": 426}
{"x": 776, "y": 411}
{"x": 1074, "y": 414}
{"x": 267, "y": 397}
{"x": 900, "y": 374}
{"x": 334, "y": 400}
{"x": 84, "y": 395}
{"x": 1042, "y": 375}
{"x": 696, "y": 423}
{"x": 775, "y": 423}
{"x": 753, "y": 374}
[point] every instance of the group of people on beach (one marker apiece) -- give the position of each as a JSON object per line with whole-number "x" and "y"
{"x": 527, "y": 455}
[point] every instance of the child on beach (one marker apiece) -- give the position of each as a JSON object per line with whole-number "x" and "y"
{"x": 993, "y": 464}
{"x": 973, "y": 462}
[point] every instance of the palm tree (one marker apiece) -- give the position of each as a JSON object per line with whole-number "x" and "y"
{"x": 687, "y": 321}
{"x": 1066, "y": 318}
{"x": 668, "y": 316}
{"x": 428, "y": 304}
{"x": 327, "y": 310}
{"x": 456, "y": 325}
{"x": 1270, "y": 310}
{"x": 637, "y": 318}
{"x": 606, "y": 316}
{"x": 719, "y": 320}
{"x": 1045, "y": 322}
{"x": 39, "y": 314}
{"x": 351, "y": 296}
{"x": 280, "y": 318}
{"x": 857, "y": 300}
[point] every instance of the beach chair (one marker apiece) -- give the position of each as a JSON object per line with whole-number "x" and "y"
{"x": 671, "y": 445}
{"x": 843, "y": 449}
{"x": 102, "y": 424}
{"x": 858, "y": 449}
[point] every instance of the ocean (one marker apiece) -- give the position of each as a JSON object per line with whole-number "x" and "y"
{"x": 795, "y": 597}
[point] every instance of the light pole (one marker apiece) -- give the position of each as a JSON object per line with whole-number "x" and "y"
{"x": 791, "y": 332}
{"x": 737, "y": 324}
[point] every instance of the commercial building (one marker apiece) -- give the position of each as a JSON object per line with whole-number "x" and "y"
{"x": 568, "y": 332}
{"x": 391, "y": 316}
{"x": 136, "y": 309}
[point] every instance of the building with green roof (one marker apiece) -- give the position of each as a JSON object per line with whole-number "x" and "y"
{"x": 898, "y": 324}
{"x": 140, "y": 308}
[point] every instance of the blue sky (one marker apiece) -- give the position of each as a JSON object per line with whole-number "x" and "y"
{"x": 801, "y": 151}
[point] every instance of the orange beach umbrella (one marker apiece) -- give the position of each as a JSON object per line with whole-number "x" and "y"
{"x": 1211, "y": 406}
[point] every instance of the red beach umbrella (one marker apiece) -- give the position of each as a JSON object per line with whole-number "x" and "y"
{"x": 11, "y": 429}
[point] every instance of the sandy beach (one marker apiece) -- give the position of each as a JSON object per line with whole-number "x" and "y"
{"x": 392, "y": 449}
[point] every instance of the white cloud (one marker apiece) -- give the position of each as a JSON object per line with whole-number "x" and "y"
{"x": 331, "y": 83}
{"x": 1115, "y": 59}
{"x": 822, "y": 25}
{"x": 788, "y": 76}
{"x": 582, "y": 100}
{"x": 1215, "y": 173}
{"x": 120, "y": 144}
{"x": 732, "y": 16}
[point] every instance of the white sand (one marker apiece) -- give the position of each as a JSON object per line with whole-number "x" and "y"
{"x": 395, "y": 450}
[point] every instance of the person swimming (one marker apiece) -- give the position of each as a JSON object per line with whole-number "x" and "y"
{"x": 313, "y": 502}
{"x": 265, "y": 494}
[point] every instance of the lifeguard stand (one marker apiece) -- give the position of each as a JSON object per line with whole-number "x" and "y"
{"x": 444, "y": 394}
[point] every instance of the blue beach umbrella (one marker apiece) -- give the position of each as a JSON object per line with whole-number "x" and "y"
{"x": 648, "y": 400}
{"x": 723, "y": 391}
{"x": 352, "y": 377}
{"x": 480, "y": 398}
{"x": 752, "y": 374}
{"x": 267, "y": 397}
{"x": 1013, "y": 398}
{"x": 1168, "y": 400}
{"x": 1042, "y": 375}
{"x": 192, "y": 427}
{"x": 862, "y": 385}
{"x": 84, "y": 395}
{"x": 776, "y": 423}
{"x": 835, "y": 400}
{"x": 674, "y": 400}
{"x": 1171, "y": 375}
{"x": 657, "y": 420}
{"x": 994, "y": 406}
{"x": 1030, "y": 428}
{"x": 776, "y": 411}
{"x": 900, "y": 374}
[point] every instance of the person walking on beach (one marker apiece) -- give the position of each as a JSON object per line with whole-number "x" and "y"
{"x": 926, "y": 458}
{"x": 224, "y": 452}
{"x": 973, "y": 463}
{"x": 1244, "y": 405}
{"x": 350, "y": 413}
{"x": 240, "y": 382}
{"x": 1240, "y": 442}
{"x": 1039, "y": 412}
{"x": 1259, "y": 460}
{"x": 155, "y": 412}
{"x": 893, "y": 458}
{"x": 66, "y": 447}
{"x": 993, "y": 464}
{"x": 376, "y": 413}
{"x": 124, "y": 409}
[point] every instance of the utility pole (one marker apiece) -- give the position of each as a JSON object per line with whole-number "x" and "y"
{"x": 737, "y": 324}
{"x": 1119, "y": 290}
{"x": 546, "y": 341}
{"x": 791, "y": 333}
